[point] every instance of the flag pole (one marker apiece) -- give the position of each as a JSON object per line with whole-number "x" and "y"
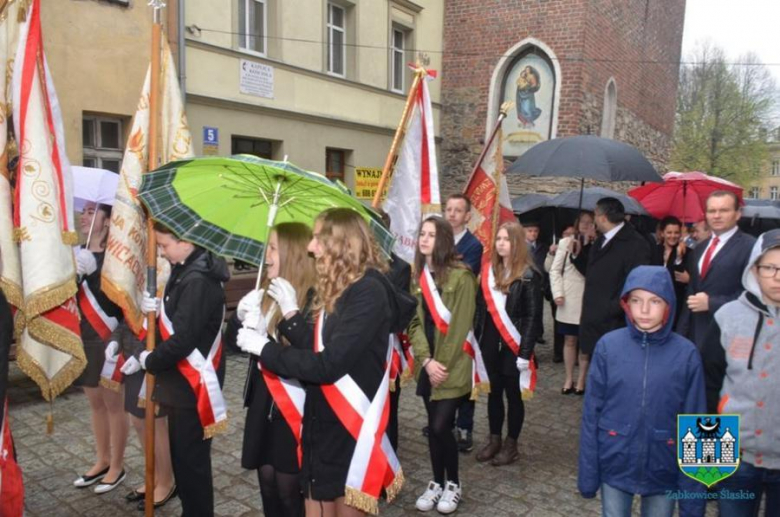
{"x": 400, "y": 132}
{"x": 151, "y": 253}
{"x": 505, "y": 107}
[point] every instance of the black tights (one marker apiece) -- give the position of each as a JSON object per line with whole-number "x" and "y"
{"x": 499, "y": 385}
{"x": 281, "y": 492}
{"x": 441, "y": 440}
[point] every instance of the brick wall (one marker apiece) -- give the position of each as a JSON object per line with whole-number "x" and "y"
{"x": 635, "y": 41}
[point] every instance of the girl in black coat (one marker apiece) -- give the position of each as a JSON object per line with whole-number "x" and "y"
{"x": 515, "y": 276}
{"x": 357, "y": 315}
{"x": 270, "y": 445}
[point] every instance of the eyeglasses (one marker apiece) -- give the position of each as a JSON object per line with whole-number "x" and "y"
{"x": 767, "y": 271}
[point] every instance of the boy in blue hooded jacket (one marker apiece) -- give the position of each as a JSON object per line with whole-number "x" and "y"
{"x": 641, "y": 377}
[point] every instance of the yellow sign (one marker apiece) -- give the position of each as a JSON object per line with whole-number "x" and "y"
{"x": 366, "y": 182}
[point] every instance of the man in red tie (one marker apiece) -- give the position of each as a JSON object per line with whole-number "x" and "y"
{"x": 717, "y": 266}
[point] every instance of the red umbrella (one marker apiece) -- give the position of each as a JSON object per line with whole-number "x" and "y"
{"x": 682, "y": 194}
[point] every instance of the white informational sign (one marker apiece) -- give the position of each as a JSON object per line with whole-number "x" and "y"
{"x": 256, "y": 79}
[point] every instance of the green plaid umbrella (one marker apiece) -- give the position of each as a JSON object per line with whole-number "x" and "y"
{"x": 228, "y": 205}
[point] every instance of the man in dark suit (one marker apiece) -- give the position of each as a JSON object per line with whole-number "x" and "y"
{"x": 716, "y": 266}
{"x": 618, "y": 250}
{"x": 539, "y": 251}
{"x": 457, "y": 210}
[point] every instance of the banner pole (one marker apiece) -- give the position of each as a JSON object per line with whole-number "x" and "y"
{"x": 501, "y": 116}
{"x": 151, "y": 255}
{"x": 419, "y": 73}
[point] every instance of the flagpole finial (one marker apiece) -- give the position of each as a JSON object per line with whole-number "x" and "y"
{"x": 505, "y": 107}
{"x": 156, "y": 4}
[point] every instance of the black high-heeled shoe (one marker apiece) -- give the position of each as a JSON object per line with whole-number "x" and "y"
{"x": 173, "y": 493}
{"x": 567, "y": 391}
{"x": 134, "y": 496}
{"x": 579, "y": 392}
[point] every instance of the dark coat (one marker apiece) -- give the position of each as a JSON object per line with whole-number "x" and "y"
{"x": 470, "y": 252}
{"x": 400, "y": 274}
{"x": 638, "y": 383}
{"x": 672, "y": 266}
{"x": 355, "y": 338}
{"x": 194, "y": 302}
{"x": 6, "y": 338}
{"x": 523, "y": 303}
{"x": 607, "y": 269}
{"x": 723, "y": 283}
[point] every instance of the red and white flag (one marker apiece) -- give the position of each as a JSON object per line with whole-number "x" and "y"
{"x": 489, "y": 195}
{"x": 414, "y": 189}
{"x": 51, "y": 352}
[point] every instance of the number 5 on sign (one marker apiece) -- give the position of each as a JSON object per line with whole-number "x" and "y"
{"x": 210, "y": 135}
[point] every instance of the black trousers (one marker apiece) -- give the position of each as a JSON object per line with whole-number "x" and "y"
{"x": 191, "y": 457}
{"x": 466, "y": 415}
{"x": 392, "y": 421}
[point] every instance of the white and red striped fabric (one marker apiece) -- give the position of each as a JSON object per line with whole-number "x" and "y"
{"x": 374, "y": 465}
{"x": 496, "y": 304}
{"x": 441, "y": 316}
{"x": 402, "y": 362}
{"x": 103, "y": 324}
{"x": 290, "y": 397}
{"x": 111, "y": 375}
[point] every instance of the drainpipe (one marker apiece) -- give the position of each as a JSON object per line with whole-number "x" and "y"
{"x": 182, "y": 51}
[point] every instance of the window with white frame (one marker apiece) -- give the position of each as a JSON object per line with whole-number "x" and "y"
{"x": 252, "y": 25}
{"x": 773, "y": 194}
{"x": 102, "y": 142}
{"x": 337, "y": 38}
{"x": 776, "y": 168}
{"x": 397, "y": 66}
{"x": 755, "y": 192}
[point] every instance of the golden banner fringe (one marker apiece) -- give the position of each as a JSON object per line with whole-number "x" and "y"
{"x": 70, "y": 238}
{"x": 482, "y": 387}
{"x": 46, "y": 299}
{"x": 217, "y": 428}
{"x": 526, "y": 394}
{"x": 13, "y": 292}
{"x": 110, "y": 384}
{"x": 50, "y": 388}
{"x": 360, "y": 500}
{"x": 134, "y": 319}
{"x": 57, "y": 337}
{"x": 395, "y": 487}
{"x": 24, "y": 5}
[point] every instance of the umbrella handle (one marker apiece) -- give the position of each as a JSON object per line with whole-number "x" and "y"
{"x": 91, "y": 227}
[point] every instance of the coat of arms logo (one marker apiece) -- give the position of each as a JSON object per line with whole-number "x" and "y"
{"x": 708, "y": 446}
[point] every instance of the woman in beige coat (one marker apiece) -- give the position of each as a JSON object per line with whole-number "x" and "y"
{"x": 567, "y": 285}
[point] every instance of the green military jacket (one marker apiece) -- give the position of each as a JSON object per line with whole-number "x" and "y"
{"x": 459, "y": 296}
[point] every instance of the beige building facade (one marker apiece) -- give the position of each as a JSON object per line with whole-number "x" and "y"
{"x": 321, "y": 82}
{"x": 768, "y": 186}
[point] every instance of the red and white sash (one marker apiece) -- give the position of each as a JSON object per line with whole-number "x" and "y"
{"x": 201, "y": 374}
{"x": 11, "y": 480}
{"x": 496, "y": 304}
{"x": 402, "y": 362}
{"x": 441, "y": 316}
{"x": 111, "y": 375}
{"x": 374, "y": 465}
{"x": 103, "y": 324}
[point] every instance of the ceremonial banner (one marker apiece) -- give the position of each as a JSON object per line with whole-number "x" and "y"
{"x": 10, "y": 267}
{"x": 51, "y": 351}
{"x": 415, "y": 184}
{"x": 124, "y": 268}
{"x": 489, "y": 195}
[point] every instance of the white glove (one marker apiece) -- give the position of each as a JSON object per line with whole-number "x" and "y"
{"x": 85, "y": 262}
{"x": 254, "y": 320}
{"x": 131, "y": 366}
{"x": 142, "y": 358}
{"x": 111, "y": 350}
{"x": 250, "y": 302}
{"x": 252, "y": 341}
{"x": 523, "y": 365}
{"x": 149, "y": 304}
{"x": 284, "y": 293}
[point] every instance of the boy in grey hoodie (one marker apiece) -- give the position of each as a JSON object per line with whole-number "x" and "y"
{"x": 742, "y": 372}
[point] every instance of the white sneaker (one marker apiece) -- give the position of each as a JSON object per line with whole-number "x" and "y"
{"x": 449, "y": 498}
{"x": 430, "y": 497}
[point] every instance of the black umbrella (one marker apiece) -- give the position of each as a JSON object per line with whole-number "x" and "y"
{"x": 584, "y": 157}
{"x": 528, "y": 202}
{"x": 759, "y": 216}
{"x": 586, "y": 199}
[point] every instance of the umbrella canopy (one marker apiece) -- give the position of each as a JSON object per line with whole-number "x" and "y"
{"x": 228, "y": 205}
{"x": 588, "y": 157}
{"x": 750, "y": 211}
{"x": 590, "y": 196}
{"x": 528, "y": 202}
{"x": 682, "y": 194}
{"x": 92, "y": 185}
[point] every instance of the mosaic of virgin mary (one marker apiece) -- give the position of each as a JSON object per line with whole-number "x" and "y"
{"x": 528, "y": 83}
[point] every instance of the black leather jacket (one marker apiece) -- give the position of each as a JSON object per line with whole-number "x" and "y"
{"x": 523, "y": 302}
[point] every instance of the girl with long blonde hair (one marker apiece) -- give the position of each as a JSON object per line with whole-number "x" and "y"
{"x": 357, "y": 309}
{"x": 508, "y": 301}
{"x": 270, "y": 433}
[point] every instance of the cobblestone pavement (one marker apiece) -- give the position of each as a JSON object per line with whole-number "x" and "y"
{"x": 541, "y": 483}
